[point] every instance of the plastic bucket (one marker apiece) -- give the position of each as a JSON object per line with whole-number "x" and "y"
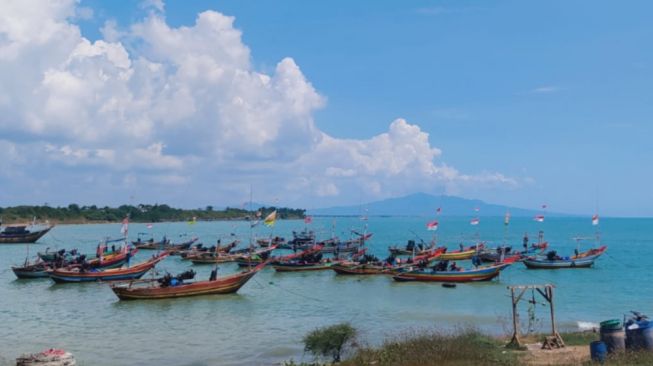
{"x": 615, "y": 339}
{"x": 611, "y": 324}
{"x": 598, "y": 351}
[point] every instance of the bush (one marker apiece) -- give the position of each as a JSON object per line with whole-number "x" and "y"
{"x": 330, "y": 341}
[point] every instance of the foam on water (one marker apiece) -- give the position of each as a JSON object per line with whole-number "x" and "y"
{"x": 582, "y": 326}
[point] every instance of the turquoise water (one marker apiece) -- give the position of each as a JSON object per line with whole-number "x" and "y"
{"x": 265, "y": 321}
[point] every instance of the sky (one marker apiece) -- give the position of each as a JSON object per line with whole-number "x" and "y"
{"x": 316, "y": 104}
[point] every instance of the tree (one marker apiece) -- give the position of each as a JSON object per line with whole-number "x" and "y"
{"x": 330, "y": 340}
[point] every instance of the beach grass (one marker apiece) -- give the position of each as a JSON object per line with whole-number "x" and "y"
{"x": 459, "y": 348}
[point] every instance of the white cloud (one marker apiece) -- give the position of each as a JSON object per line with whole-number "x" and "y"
{"x": 159, "y": 104}
{"x": 545, "y": 89}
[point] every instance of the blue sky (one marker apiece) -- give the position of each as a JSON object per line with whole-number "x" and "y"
{"x": 527, "y": 103}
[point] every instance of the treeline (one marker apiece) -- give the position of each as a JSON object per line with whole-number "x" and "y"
{"x": 74, "y": 213}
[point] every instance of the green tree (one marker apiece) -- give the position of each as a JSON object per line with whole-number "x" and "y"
{"x": 330, "y": 341}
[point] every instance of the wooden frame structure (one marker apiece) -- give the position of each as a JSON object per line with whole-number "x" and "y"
{"x": 516, "y": 293}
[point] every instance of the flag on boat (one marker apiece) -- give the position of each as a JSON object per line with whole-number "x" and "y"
{"x": 432, "y": 226}
{"x": 595, "y": 219}
{"x": 149, "y": 226}
{"x": 308, "y": 220}
{"x": 474, "y": 221}
{"x": 506, "y": 219}
{"x": 539, "y": 218}
{"x": 437, "y": 212}
{"x": 192, "y": 221}
{"x": 270, "y": 219}
{"x": 125, "y": 226}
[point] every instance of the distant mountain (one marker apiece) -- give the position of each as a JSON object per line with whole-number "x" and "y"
{"x": 423, "y": 204}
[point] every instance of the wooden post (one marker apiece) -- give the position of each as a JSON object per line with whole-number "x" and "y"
{"x": 514, "y": 342}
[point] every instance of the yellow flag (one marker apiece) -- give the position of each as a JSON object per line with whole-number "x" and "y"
{"x": 271, "y": 218}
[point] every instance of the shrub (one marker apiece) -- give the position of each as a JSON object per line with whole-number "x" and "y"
{"x": 330, "y": 341}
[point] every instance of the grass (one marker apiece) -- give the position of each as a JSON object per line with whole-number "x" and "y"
{"x": 461, "y": 348}
{"x": 642, "y": 358}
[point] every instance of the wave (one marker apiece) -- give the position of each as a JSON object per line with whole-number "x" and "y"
{"x": 586, "y": 325}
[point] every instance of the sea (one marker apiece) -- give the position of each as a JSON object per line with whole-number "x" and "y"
{"x": 264, "y": 323}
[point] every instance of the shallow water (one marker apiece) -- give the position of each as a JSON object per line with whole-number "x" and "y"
{"x": 265, "y": 321}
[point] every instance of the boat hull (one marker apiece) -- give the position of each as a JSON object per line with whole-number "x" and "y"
{"x": 360, "y": 269}
{"x": 583, "y": 260}
{"x": 475, "y": 275}
{"x": 116, "y": 274}
{"x": 226, "y": 285}
{"x": 455, "y": 256}
{"x": 545, "y": 264}
{"x": 280, "y": 267}
{"x": 23, "y": 273}
{"x": 23, "y": 238}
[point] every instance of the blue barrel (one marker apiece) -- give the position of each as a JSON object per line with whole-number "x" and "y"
{"x": 639, "y": 336}
{"x": 614, "y": 338}
{"x": 598, "y": 351}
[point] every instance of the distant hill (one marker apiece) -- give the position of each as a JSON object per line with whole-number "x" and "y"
{"x": 423, "y": 204}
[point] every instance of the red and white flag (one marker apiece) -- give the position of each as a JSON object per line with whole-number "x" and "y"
{"x": 125, "y": 226}
{"x": 308, "y": 220}
{"x": 432, "y": 226}
{"x": 477, "y": 209}
{"x": 474, "y": 221}
{"x": 595, "y": 219}
{"x": 539, "y": 218}
{"x": 149, "y": 226}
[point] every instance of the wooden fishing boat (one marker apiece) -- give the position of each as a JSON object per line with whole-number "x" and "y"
{"x": 465, "y": 253}
{"x": 213, "y": 258}
{"x": 353, "y": 268}
{"x": 301, "y": 266}
{"x": 378, "y": 267}
{"x": 495, "y": 254}
{"x": 29, "y": 271}
{"x": 113, "y": 260}
{"x": 252, "y": 261}
{"x": 62, "y": 275}
{"x": 134, "y": 290}
{"x": 266, "y": 242}
{"x": 582, "y": 260}
{"x": 200, "y": 248}
{"x": 165, "y": 245}
{"x": 20, "y": 234}
{"x": 410, "y": 248}
{"x": 485, "y": 273}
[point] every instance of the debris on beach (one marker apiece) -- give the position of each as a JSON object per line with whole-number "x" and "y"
{"x": 50, "y": 357}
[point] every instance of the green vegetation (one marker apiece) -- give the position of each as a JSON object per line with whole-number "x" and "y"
{"x": 642, "y": 358}
{"x": 73, "y": 213}
{"x": 464, "y": 347}
{"x": 330, "y": 341}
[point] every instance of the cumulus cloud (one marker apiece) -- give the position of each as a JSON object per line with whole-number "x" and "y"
{"x": 178, "y": 105}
